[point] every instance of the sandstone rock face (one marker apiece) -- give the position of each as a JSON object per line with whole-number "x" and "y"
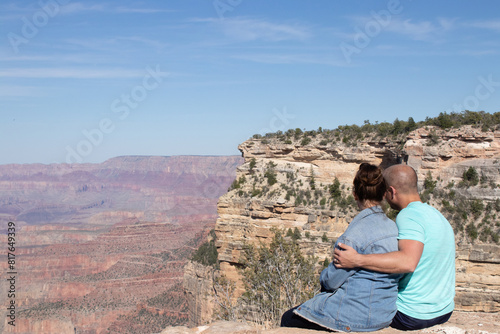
{"x": 448, "y": 153}
{"x": 198, "y": 283}
{"x": 247, "y": 216}
{"x": 478, "y": 278}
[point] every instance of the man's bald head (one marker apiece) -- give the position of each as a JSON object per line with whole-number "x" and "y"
{"x": 403, "y": 178}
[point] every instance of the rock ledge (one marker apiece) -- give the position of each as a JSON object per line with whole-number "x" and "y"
{"x": 460, "y": 323}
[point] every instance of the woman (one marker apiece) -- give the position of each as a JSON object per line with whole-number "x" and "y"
{"x": 356, "y": 299}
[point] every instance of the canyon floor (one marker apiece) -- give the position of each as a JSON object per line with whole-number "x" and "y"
{"x": 101, "y": 248}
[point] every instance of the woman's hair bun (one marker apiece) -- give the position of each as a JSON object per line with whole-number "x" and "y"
{"x": 369, "y": 183}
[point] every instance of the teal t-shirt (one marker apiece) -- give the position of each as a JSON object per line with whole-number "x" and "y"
{"x": 429, "y": 291}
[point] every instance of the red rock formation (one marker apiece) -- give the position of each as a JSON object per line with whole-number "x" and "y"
{"x": 95, "y": 241}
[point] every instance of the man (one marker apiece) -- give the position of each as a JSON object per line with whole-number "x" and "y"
{"x": 426, "y": 255}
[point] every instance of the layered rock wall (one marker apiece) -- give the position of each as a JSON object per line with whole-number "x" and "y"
{"x": 254, "y": 206}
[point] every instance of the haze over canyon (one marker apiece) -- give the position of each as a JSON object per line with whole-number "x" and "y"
{"x": 100, "y": 248}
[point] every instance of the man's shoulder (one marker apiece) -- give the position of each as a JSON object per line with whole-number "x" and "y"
{"x": 416, "y": 209}
{"x": 421, "y": 213}
{"x": 415, "y": 213}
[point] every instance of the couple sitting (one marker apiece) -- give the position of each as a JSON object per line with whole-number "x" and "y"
{"x": 402, "y": 274}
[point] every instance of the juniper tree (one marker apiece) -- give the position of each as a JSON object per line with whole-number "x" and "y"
{"x": 276, "y": 277}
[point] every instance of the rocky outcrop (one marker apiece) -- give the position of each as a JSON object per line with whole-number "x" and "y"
{"x": 287, "y": 185}
{"x": 460, "y": 323}
{"x": 478, "y": 278}
{"x": 446, "y": 154}
{"x": 198, "y": 285}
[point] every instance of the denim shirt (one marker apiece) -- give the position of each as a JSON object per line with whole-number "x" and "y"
{"x": 357, "y": 299}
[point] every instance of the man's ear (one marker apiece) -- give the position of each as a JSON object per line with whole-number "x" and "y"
{"x": 392, "y": 192}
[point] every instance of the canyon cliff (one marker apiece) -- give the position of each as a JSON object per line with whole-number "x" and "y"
{"x": 303, "y": 182}
{"x": 100, "y": 248}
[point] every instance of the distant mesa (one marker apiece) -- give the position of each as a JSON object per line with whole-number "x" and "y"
{"x": 103, "y": 246}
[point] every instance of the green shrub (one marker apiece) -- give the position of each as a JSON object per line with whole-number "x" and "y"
{"x": 238, "y": 183}
{"x": 429, "y": 183}
{"x": 447, "y": 206}
{"x": 476, "y": 207}
{"x": 206, "y": 254}
{"x": 305, "y": 141}
{"x": 425, "y": 196}
{"x": 472, "y": 231}
{"x": 391, "y": 213}
{"x": 276, "y": 277}
{"x": 334, "y": 189}
{"x": 312, "y": 181}
{"x": 252, "y": 165}
{"x": 324, "y": 238}
{"x": 433, "y": 138}
{"x": 470, "y": 177}
{"x": 255, "y": 192}
{"x": 271, "y": 177}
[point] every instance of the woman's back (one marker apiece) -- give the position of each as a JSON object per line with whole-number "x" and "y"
{"x": 358, "y": 300}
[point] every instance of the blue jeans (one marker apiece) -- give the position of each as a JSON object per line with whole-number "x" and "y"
{"x": 406, "y": 323}
{"x": 290, "y": 319}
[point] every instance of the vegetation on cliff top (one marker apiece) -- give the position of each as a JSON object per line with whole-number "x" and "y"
{"x": 467, "y": 215}
{"x": 348, "y": 134}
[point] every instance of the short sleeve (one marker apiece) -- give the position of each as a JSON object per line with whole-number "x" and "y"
{"x": 409, "y": 226}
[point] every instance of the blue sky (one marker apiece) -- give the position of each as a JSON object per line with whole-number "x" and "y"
{"x": 84, "y": 81}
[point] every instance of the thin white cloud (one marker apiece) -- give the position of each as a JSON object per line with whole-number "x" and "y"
{"x": 69, "y": 73}
{"x": 420, "y": 30}
{"x": 112, "y": 43}
{"x": 246, "y": 29}
{"x": 14, "y": 11}
{"x": 83, "y": 58}
{"x": 291, "y": 59}
{"x": 20, "y": 91}
{"x": 477, "y": 53}
{"x": 142, "y": 10}
{"x": 145, "y": 41}
{"x": 91, "y": 43}
{"x": 489, "y": 25}
{"x": 79, "y": 7}
{"x": 447, "y": 23}
{"x": 429, "y": 31}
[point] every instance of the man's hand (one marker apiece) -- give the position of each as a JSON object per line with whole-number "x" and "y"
{"x": 345, "y": 257}
{"x": 405, "y": 260}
